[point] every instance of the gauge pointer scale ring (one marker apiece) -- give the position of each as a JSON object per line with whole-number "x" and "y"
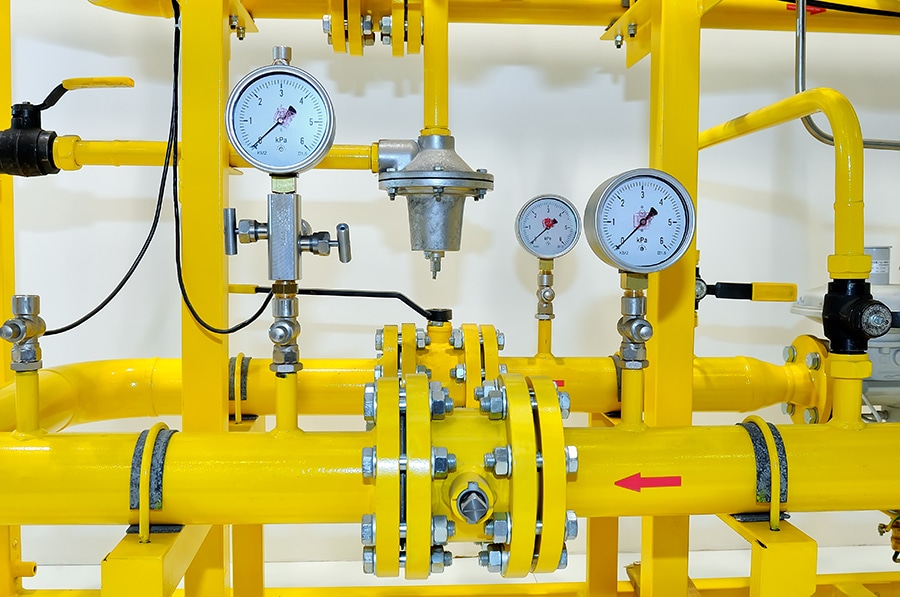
{"x": 549, "y": 223}
{"x": 283, "y": 119}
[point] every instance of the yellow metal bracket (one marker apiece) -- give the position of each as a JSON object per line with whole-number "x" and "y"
{"x": 418, "y": 478}
{"x": 553, "y": 474}
{"x": 781, "y": 563}
{"x": 144, "y": 487}
{"x": 244, "y": 20}
{"x": 632, "y": 29}
{"x": 774, "y": 470}
{"x": 387, "y": 477}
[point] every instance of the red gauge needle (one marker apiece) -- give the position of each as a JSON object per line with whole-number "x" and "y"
{"x": 548, "y": 224}
{"x": 280, "y": 120}
{"x": 643, "y": 222}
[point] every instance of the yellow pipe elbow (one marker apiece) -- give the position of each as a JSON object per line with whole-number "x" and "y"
{"x": 848, "y": 260}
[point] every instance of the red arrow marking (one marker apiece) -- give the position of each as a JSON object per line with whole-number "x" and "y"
{"x": 635, "y": 482}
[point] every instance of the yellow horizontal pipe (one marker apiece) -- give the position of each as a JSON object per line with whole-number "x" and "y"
{"x": 71, "y": 153}
{"x": 214, "y": 478}
{"x": 119, "y": 389}
{"x": 307, "y": 477}
{"x": 717, "y": 470}
{"x": 848, "y": 260}
{"x": 729, "y": 14}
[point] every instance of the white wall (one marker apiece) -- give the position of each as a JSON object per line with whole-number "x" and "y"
{"x": 545, "y": 109}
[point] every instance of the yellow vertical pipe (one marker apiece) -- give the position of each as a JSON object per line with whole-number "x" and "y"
{"x": 286, "y": 402}
{"x": 28, "y": 406}
{"x": 632, "y": 400}
{"x": 7, "y": 245}
{"x": 845, "y": 374}
{"x": 204, "y": 194}
{"x": 601, "y": 575}
{"x": 674, "y": 122}
{"x": 437, "y": 61}
{"x": 545, "y": 337}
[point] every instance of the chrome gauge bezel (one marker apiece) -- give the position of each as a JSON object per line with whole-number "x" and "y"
{"x": 566, "y": 204}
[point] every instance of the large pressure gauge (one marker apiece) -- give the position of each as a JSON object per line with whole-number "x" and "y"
{"x": 548, "y": 226}
{"x": 641, "y": 221}
{"x": 280, "y": 119}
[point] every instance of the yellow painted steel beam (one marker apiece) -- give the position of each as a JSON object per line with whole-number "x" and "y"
{"x": 728, "y": 14}
{"x": 7, "y": 213}
{"x": 70, "y": 152}
{"x": 151, "y": 569}
{"x": 848, "y": 260}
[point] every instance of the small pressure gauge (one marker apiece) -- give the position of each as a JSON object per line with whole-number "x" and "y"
{"x": 641, "y": 221}
{"x": 280, "y": 118}
{"x": 548, "y": 226}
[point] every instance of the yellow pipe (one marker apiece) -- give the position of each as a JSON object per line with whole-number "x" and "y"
{"x": 437, "y": 60}
{"x": 285, "y": 403}
{"x": 729, "y": 14}
{"x": 848, "y": 260}
{"x": 71, "y": 153}
{"x": 210, "y": 478}
{"x": 632, "y": 400}
{"x": 28, "y": 409}
{"x": 845, "y": 373}
{"x": 545, "y": 338}
{"x": 118, "y": 389}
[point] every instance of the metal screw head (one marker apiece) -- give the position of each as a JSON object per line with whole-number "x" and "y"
{"x": 370, "y": 403}
{"x": 499, "y": 459}
{"x": 571, "y": 525}
{"x": 493, "y": 558}
{"x": 369, "y": 560}
{"x": 565, "y": 403}
{"x": 456, "y": 338}
{"x": 813, "y": 360}
{"x": 458, "y": 372}
{"x": 787, "y": 408}
{"x": 811, "y": 416}
{"x": 571, "y": 460}
{"x": 563, "y": 559}
{"x": 326, "y": 24}
{"x": 367, "y": 531}
{"x": 422, "y": 339}
{"x": 619, "y": 39}
{"x": 379, "y": 372}
{"x": 501, "y": 340}
{"x": 789, "y": 354}
{"x": 379, "y": 340}
{"x": 632, "y": 29}
{"x": 500, "y": 529}
{"x": 368, "y": 463}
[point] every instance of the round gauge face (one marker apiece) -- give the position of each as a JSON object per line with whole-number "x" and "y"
{"x": 280, "y": 119}
{"x": 548, "y": 226}
{"x": 641, "y": 221}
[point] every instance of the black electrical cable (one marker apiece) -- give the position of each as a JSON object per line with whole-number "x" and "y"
{"x": 173, "y": 141}
{"x": 429, "y": 314}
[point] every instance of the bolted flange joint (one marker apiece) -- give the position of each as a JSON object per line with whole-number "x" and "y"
{"x": 441, "y": 402}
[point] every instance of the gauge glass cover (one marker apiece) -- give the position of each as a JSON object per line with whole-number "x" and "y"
{"x": 548, "y": 226}
{"x": 280, "y": 119}
{"x": 641, "y": 221}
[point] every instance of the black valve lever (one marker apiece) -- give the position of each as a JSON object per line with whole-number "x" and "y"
{"x": 752, "y": 291}
{"x": 26, "y": 149}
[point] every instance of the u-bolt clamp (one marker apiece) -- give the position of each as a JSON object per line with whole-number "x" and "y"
{"x": 24, "y": 331}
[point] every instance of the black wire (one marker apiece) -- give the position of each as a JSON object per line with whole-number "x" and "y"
{"x": 173, "y": 139}
{"x": 426, "y": 313}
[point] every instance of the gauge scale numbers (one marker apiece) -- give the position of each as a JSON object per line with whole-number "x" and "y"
{"x": 281, "y": 120}
{"x": 642, "y": 221}
{"x": 548, "y": 226}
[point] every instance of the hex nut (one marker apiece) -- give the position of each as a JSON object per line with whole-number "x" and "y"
{"x": 370, "y": 403}
{"x": 458, "y": 372}
{"x": 813, "y": 360}
{"x": 571, "y": 525}
{"x": 571, "y": 460}
{"x": 367, "y": 530}
{"x": 379, "y": 372}
{"x": 441, "y": 403}
{"x": 563, "y": 559}
{"x": 788, "y": 408}
{"x": 493, "y": 404}
{"x": 369, "y": 560}
{"x": 565, "y": 404}
{"x": 494, "y": 559}
{"x": 811, "y": 416}
{"x": 442, "y": 463}
{"x": 422, "y": 339}
{"x": 633, "y": 352}
{"x": 501, "y": 529}
{"x": 498, "y": 461}
{"x": 789, "y": 353}
{"x": 442, "y": 530}
{"x": 369, "y": 461}
{"x": 379, "y": 339}
{"x": 501, "y": 340}
{"x": 440, "y": 559}
{"x": 456, "y": 338}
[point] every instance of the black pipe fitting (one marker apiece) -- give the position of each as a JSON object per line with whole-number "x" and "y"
{"x": 851, "y": 317}
{"x": 26, "y": 149}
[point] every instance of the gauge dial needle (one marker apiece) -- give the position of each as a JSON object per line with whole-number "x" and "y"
{"x": 280, "y": 120}
{"x": 643, "y": 222}
{"x": 548, "y": 224}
